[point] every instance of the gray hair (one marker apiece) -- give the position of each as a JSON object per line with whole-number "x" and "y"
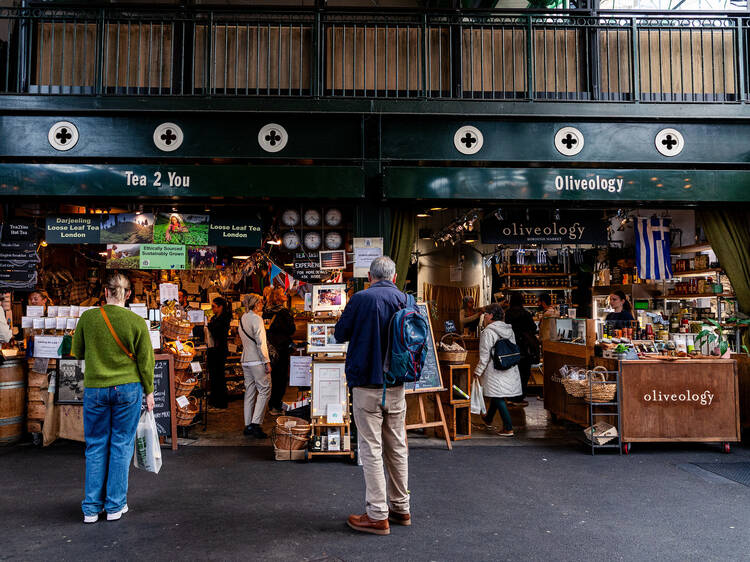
{"x": 249, "y": 301}
{"x": 382, "y": 268}
{"x": 118, "y": 284}
{"x": 496, "y": 311}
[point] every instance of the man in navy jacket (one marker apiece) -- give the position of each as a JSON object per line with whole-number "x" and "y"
{"x": 381, "y": 428}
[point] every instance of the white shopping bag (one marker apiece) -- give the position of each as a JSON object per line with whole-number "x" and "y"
{"x": 147, "y": 449}
{"x": 477, "y": 398}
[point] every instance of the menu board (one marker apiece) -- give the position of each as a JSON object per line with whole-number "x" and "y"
{"x": 164, "y": 414}
{"x": 18, "y": 263}
{"x": 430, "y": 379}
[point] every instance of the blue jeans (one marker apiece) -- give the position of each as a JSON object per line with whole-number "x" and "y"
{"x": 495, "y": 405}
{"x": 110, "y": 418}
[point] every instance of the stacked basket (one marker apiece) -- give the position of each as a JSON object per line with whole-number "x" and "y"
{"x": 175, "y": 331}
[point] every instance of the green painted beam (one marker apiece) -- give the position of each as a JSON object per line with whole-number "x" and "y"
{"x": 169, "y": 180}
{"x": 568, "y": 184}
{"x": 511, "y": 109}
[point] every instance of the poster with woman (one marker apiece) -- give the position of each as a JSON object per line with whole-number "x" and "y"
{"x": 181, "y": 228}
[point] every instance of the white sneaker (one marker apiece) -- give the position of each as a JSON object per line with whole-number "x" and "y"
{"x": 117, "y": 514}
{"x": 91, "y": 518}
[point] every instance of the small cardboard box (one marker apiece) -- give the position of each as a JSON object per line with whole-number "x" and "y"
{"x": 603, "y": 432}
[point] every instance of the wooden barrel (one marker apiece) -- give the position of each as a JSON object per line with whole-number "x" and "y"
{"x": 12, "y": 401}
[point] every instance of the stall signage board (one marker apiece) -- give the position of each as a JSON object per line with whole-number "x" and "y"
{"x": 542, "y": 227}
{"x": 73, "y": 229}
{"x": 17, "y": 232}
{"x": 430, "y": 380}
{"x": 232, "y": 232}
{"x": 164, "y": 407}
{"x": 307, "y": 267}
{"x": 18, "y": 265}
{"x": 163, "y": 256}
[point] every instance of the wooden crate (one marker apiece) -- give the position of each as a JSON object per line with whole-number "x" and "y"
{"x": 458, "y": 419}
{"x": 456, "y": 375}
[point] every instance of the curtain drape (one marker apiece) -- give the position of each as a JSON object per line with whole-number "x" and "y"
{"x": 403, "y": 235}
{"x": 448, "y": 300}
{"x": 727, "y": 232}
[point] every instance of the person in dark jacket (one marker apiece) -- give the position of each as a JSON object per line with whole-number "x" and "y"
{"x": 279, "y": 332}
{"x": 216, "y": 355}
{"x": 525, "y": 330}
{"x": 381, "y": 425}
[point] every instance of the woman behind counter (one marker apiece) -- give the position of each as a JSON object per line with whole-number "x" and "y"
{"x": 469, "y": 316}
{"x": 497, "y": 385}
{"x": 116, "y": 346}
{"x": 622, "y": 315}
{"x": 216, "y": 355}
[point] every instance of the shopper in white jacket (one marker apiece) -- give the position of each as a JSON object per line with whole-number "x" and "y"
{"x": 256, "y": 365}
{"x": 497, "y": 385}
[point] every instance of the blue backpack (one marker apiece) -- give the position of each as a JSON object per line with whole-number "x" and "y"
{"x": 407, "y": 345}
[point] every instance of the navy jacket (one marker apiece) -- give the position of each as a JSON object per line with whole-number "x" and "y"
{"x": 364, "y": 324}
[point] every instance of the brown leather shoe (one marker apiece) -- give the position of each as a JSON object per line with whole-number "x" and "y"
{"x": 366, "y": 525}
{"x": 399, "y": 518}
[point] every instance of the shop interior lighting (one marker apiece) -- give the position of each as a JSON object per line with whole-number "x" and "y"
{"x": 240, "y": 257}
{"x": 276, "y": 241}
{"x": 499, "y": 214}
{"x": 438, "y": 208}
{"x": 423, "y": 215}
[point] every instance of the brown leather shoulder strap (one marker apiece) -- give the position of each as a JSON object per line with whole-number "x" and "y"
{"x": 114, "y": 335}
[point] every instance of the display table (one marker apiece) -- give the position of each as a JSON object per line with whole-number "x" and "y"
{"x": 689, "y": 400}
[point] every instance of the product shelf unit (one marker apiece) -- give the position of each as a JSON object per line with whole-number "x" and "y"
{"x": 609, "y": 409}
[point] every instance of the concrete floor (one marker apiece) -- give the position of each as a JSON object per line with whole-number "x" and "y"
{"x": 540, "y": 501}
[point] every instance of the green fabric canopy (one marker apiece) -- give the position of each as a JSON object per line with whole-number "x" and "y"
{"x": 403, "y": 236}
{"x": 727, "y": 232}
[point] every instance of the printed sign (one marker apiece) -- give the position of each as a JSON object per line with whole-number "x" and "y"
{"x": 17, "y": 232}
{"x": 307, "y": 267}
{"x": 74, "y": 229}
{"x": 232, "y": 232}
{"x": 545, "y": 226}
{"x": 365, "y": 251}
{"x": 163, "y": 256}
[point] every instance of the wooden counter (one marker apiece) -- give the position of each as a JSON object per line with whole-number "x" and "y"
{"x": 561, "y": 404}
{"x": 690, "y": 400}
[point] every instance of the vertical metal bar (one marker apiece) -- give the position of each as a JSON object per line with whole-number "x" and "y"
{"x": 565, "y": 61}
{"x": 481, "y": 60}
{"x": 209, "y": 56}
{"x": 290, "y": 30}
{"x": 377, "y": 33}
{"x": 343, "y": 60}
{"x": 604, "y": 31}
{"x": 741, "y": 61}
{"x": 471, "y": 59}
{"x": 140, "y": 37}
{"x": 278, "y": 61}
{"x": 364, "y": 57}
{"x": 268, "y": 59}
{"x": 713, "y": 65}
{"x": 74, "y": 60}
{"x": 101, "y": 59}
{"x": 636, "y": 78}
{"x": 117, "y": 58}
{"x": 236, "y": 55}
{"x": 682, "y": 65}
{"x": 577, "y": 62}
{"x": 425, "y": 41}
{"x": 408, "y": 59}
{"x": 451, "y": 56}
{"x": 513, "y": 59}
{"x": 51, "y": 56}
{"x": 649, "y": 53}
{"x": 333, "y": 59}
{"x": 127, "y": 66}
{"x": 661, "y": 70}
{"x": 354, "y": 60}
{"x": 723, "y": 64}
{"x": 161, "y": 56}
{"x": 84, "y": 74}
{"x": 554, "y": 59}
{"x": 317, "y": 59}
{"x": 703, "y": 68}
{"x": 502, "y": 58}
{"x": 671, "y": 82}
{"x": 545, "y": 75}
{"x": 257, "y": 59}
{"x": 247, "y": 59}
{"x": 6, "y": 88}
{"x": 529, "y": 58}
{"x": 171, "y": 57}
{"x": 192, "y": 61}
{"x": 398, "y": 61}
{"x": 492, "y": 66}
{"x": 692, "y": 65}
{"x": 619, "y": 68}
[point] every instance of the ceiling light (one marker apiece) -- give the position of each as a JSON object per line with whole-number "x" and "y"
{"x": 240, "y": 257}
{"x": 438, "y": 208}
{"x": 423, "y": 215}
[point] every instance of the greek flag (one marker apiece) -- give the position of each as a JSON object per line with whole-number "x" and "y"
{"x": 652, "y": 254}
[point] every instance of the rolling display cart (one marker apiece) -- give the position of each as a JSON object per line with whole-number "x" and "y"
{"x": 603, "y": 398}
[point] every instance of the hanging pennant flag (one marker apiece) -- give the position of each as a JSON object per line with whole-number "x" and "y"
{"x": 274, "y": 271}
{"x": 652, "y": 252}
{"x": 287, "y": 281}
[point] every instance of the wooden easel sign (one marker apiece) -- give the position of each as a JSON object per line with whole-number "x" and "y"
{"x": 429, "y": 384}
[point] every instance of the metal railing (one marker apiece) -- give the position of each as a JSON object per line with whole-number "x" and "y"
{"x": 492, "y": 55}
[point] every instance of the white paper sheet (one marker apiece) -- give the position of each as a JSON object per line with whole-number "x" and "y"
{"x": 299, "y": 370}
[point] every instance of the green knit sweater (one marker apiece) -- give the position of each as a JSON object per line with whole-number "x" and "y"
{"x": 106, "y": 363}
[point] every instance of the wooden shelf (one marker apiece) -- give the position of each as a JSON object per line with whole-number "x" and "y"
{"x": 537, "y": 288}
{"x": 696, "y": 296}
{"x": 695, "y": 248}
{"x": 698, "y": 273}
{"x": 535, "y": 274}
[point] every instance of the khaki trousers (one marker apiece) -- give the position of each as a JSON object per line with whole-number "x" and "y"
{"x": 257, "y": 391}
{"x": 382, "y": 437}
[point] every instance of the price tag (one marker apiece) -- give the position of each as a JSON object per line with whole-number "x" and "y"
{"x": 27, "y": 322}
{"x": 75, "y": 311}
{"x": 35, "y": 311}
{"x": 63, "y": 311}
{"x": 232, "y": 348}
{"x": 52, "y": 311}
{"x": 195, "y": 367}
{"x": 182, "y": 401}
{"x": 50, "y": 323}
{"x": 38, "y": 323}
{"x": 60, "y": 323}
{"x": 155, "y": 336}
{"x": 71, "y": 323}
{"x": 179, "y": 345}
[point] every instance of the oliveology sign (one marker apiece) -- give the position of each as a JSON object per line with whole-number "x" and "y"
{"x": 516, "y": 226}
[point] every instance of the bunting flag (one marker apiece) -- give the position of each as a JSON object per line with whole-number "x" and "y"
{"x": 652, "y": 252}
{"x": 274, "y": 271}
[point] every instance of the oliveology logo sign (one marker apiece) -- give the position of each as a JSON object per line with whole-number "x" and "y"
{"x": 519, "y": 226}
{"x": 703, "y": 398}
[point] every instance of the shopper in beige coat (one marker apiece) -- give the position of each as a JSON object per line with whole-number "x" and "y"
{"x": 256, "y": 365}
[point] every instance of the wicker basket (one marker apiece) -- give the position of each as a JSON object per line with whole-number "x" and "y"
{"x": 452, "y": 356}
{"x": 184, "y": 383}
{"x": 290, "y": 433}
{"x": 598, "y": 392}
{"x": 576, "y": 388}
{"x": 173, "y": 328}
{"x": 185, "y": 415}
{"x": 182, "y": 357}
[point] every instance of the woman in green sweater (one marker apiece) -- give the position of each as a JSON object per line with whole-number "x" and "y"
{"x": 116, "y": 346}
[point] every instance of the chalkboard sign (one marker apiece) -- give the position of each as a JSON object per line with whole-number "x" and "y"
{"x": 166, "y": 421}
{"x": 430, "y": 381}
